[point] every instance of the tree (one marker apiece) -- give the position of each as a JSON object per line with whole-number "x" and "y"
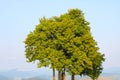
{"x": 96, "y": 68}
{"x": 63, "y": 43}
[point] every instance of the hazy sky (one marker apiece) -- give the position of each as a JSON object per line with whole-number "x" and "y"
{"x": 19, "y": 17}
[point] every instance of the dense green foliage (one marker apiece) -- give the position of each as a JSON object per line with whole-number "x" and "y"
{"x": 65, "y": 43}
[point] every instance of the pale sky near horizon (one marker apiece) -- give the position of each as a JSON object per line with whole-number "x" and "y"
{"x": 19, "y": 17}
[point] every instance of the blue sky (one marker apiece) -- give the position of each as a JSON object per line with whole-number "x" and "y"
{"x": 19, "y": 17}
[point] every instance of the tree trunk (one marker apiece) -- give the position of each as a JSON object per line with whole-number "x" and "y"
{"x": 63, "y": 74}
{"x": 53, "y": 74}
{"x": 59, "y": 75}
{"x": 94, "y": 79}
{"x": 72, "y": 77}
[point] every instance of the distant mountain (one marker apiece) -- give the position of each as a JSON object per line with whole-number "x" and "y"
{"x": 4, "y": 78}
{"x": 35, "y": 78}
{"x": 23, "y": 74}
{"x": 19, "y": 78}
{"x": 44, "y": 75}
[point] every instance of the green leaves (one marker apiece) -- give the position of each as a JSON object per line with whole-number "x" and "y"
{"x": 65, "y": 43}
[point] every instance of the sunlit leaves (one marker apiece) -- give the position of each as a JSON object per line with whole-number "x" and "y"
{"x": 65, "y": 43}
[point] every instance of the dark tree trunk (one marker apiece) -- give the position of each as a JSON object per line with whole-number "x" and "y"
{"x": 59, "y": 75}
{"x": 63, "y": 74}
{"x": 53, "y": 74}
{"x": 94, "y": 79}
{"x": 72, "y": 77}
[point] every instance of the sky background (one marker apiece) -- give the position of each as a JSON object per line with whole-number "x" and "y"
{"x": 19, "y": 17}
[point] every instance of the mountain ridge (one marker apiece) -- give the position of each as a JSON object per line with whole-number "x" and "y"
{"x": 15, "y": 74}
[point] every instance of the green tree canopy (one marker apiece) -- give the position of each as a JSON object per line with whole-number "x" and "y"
{"x": 64, "y": 43}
